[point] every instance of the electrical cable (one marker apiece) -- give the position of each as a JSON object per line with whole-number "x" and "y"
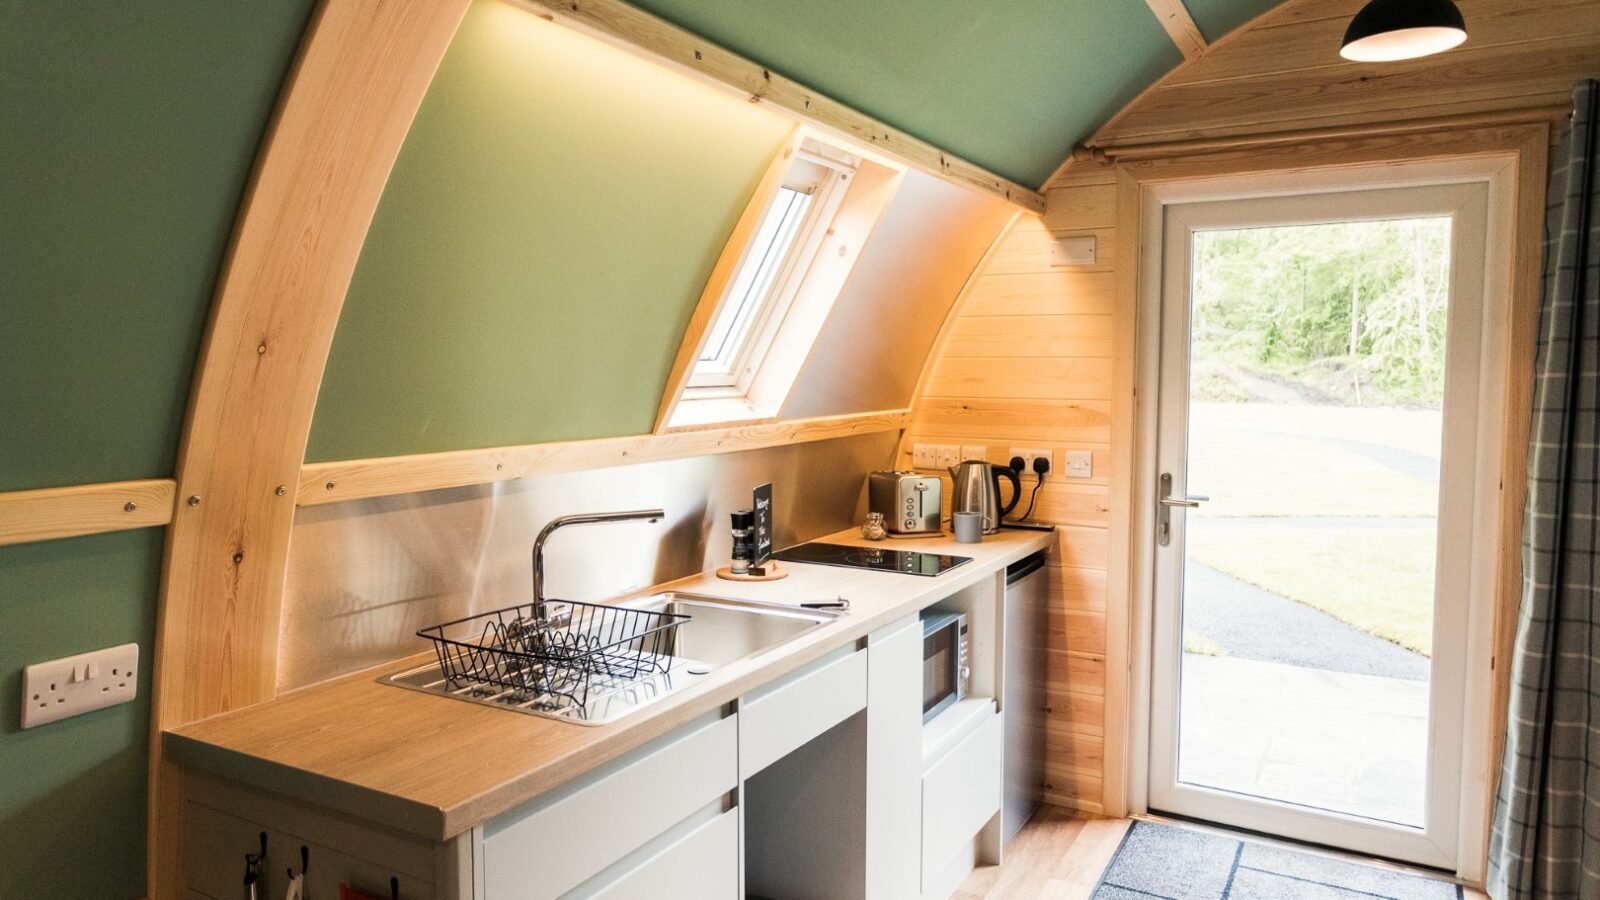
{"x": 1033, "y": 498}
{"x": 1041, "y": 468}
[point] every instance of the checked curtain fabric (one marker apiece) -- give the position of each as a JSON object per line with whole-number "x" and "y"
{"x": 1546, "y": 838}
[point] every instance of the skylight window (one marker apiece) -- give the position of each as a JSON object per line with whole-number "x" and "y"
{"x": 774, "y": 286}
{"x": 771, "y": 271}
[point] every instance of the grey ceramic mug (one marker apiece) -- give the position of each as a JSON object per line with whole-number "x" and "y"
{"x": 968, "y": 527}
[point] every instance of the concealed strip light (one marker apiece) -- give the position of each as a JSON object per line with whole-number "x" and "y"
{"x": 1387, "y": 30}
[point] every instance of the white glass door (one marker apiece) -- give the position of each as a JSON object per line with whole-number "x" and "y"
{"x": 1315, "y": 469}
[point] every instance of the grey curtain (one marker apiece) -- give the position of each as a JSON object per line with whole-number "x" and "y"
{"x": 1546, "y": 838}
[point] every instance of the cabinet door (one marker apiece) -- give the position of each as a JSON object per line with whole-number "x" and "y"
{"x": 777, "y": 718}
{"x": 960, "y": 793}
{"x": 704, "y": 865}
{"x": 551, "y": 846}
{"x": 894, "y": 760}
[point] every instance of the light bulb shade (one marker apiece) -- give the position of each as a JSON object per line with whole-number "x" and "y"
{"x": 1387, "y": 30}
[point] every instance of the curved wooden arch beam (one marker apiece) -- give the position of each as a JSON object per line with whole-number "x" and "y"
{"x": 362, "y": 72}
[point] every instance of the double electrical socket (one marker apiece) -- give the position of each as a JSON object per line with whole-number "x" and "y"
{"x": 73, "y": 685}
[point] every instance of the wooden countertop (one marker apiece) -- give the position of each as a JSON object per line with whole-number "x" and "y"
{"x": 436, "y": 767}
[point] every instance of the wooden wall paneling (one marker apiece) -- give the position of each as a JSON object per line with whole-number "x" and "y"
{"x": 1062, "y": 292}
{"x": 1025, "y": 358}
{"x": 62, "y": 512}
{"x": 334, "y": 482}
{"x": 361, "y": 74}
{"x": 1078, "y": 336}
{"x": 1283, "y": 72}
{"x": 1023, "y": 379}
{"x": 694, "y": 335}
{"x": 1076, "y": 421}
{"x": 1081, "y": 207}
{"x": 637, "y": 30}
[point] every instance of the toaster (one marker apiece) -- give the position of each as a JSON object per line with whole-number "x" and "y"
{"x": 910, "y": 503}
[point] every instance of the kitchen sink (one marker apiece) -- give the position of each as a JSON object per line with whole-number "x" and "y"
{"x": 721, "y": 630}
{"x": 716, "y": 632}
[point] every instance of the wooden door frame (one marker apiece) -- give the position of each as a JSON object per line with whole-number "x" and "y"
{"x": 1523, "y": 152}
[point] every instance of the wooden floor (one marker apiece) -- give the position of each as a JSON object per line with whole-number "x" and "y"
{"x": 1059, "y": 855}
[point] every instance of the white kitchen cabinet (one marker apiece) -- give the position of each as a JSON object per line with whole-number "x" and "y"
{"x": 776, "y": 718}
{"x": 701, "y": 865}
{"x": 960, "y": 795}
{"x": 556, "y": 843}
{"x": 894, "y": 755}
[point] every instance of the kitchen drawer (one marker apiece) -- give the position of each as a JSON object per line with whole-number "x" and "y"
{"x": 960, "y": 793}
{"x": 702, "y": 865}
{"x": 776, "y": 718}
{"x": 553, "y": 845}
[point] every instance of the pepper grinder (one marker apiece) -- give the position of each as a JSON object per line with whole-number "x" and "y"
{"x": 744, "y": 545}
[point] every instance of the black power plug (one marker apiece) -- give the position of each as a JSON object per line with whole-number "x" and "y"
{"x": 1041, "y": 466}
{"x": 1017, "y": 465}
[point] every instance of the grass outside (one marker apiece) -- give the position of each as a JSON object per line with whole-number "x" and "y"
{"x": 1197, "y": 644}
{"x": 1379, "y": 580}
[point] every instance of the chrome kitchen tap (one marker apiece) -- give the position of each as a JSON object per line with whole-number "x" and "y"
{"x": 652, "y": 515}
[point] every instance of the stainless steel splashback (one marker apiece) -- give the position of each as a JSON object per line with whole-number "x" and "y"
{"x": 365, "y": 575}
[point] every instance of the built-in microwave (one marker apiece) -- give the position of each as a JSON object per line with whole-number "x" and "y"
{"x": 945, "y": 671}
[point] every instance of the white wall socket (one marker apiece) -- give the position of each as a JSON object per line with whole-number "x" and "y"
{"x": 946, "y": 455}
{"x": 922, "y": 456}
{"x": 974, "y": 451}
{"x": 74, "y": 685}
{"x": 1029, "y": 454}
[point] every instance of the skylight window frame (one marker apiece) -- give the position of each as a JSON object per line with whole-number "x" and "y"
{"x": 826, "y": 171}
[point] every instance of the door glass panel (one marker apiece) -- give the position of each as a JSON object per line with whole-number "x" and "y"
{"x": 1316, "y": 382}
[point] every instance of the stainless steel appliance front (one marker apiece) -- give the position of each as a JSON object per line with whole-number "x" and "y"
{"x": 945, "y": 670}
{"x": 910, "y": 503}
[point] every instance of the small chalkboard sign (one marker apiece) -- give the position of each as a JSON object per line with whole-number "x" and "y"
{"x": 763, "y": 535}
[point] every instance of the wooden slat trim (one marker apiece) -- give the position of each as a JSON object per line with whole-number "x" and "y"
{"x": 357, "y": 82}
{"x": 334, "y": 482}
{"x": 1161, "y": 149}
{"x": 637, "y": 30}
{"x": 1180, "y": 26}
{"x": 48, "y": 514}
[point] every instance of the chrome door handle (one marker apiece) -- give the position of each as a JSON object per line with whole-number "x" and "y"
{"x": 1165, "y": 503}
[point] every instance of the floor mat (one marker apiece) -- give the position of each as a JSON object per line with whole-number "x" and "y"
{"x": 1170, "y": 863}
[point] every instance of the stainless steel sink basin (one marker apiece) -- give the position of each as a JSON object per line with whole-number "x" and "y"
{"x": 718, "y": 631}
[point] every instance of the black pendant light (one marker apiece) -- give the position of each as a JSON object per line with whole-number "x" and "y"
{"x": 1387, "y": 30}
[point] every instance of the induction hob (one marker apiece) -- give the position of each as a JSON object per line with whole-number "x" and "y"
{"x": 881, "y": 559}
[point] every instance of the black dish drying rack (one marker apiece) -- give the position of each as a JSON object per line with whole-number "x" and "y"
{"x": 555, "y": 649}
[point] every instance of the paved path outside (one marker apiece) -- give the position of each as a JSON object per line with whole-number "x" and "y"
{"x": 1249, "y": 622}
{"x": 1330, "y": 740}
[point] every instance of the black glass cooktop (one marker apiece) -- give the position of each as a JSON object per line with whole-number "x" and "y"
{"x": 881, "y": 559}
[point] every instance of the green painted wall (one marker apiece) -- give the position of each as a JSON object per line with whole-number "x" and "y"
{"x": 545, "y": 234}
{"x": 79, "y": 782}
{"x": 1010, "y": 85}
{"x": 1218, "y": 17}
{"x": 127, "y": 133}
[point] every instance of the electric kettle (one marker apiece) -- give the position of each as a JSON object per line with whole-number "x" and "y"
{"x": 977, "y": 489}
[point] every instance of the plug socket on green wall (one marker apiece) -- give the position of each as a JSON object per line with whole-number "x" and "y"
{"x": 73, "y": 685}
